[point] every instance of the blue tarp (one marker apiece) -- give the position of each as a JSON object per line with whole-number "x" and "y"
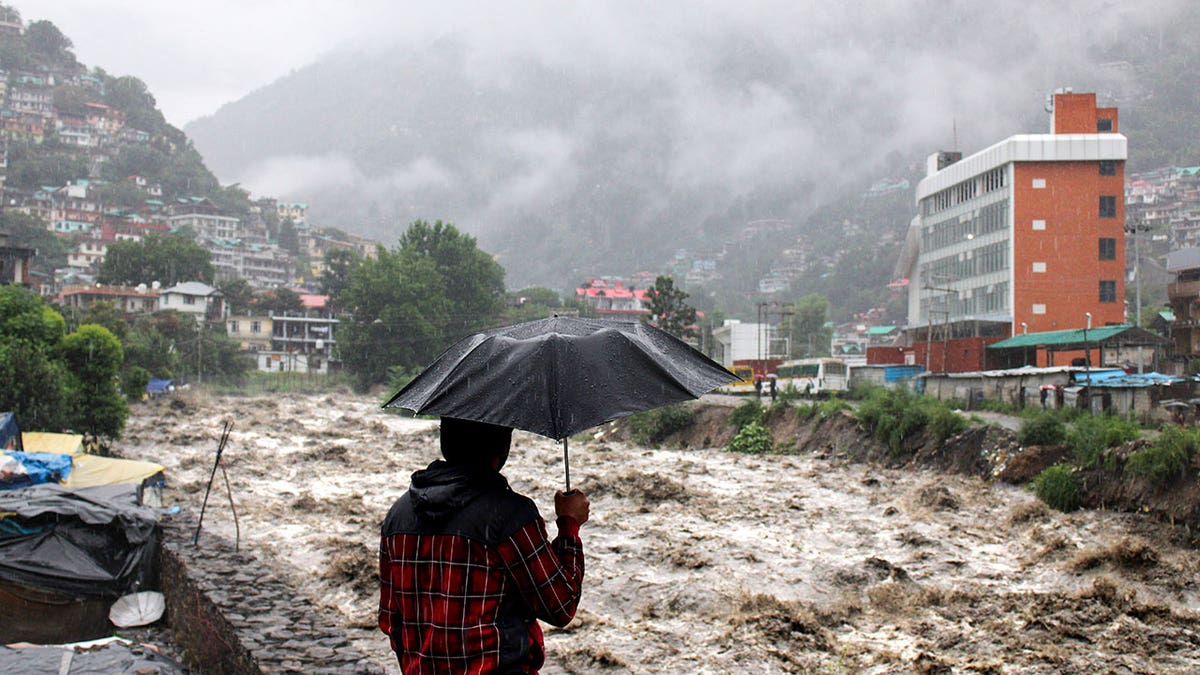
{"x": 1117, "y": 378}
{"x": 158, "y": 386}
{"x": 22, "y": 469}
{"x": 10, "y": 433}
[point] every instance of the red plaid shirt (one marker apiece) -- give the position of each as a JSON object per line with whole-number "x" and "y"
{"x": 447, "y": 599}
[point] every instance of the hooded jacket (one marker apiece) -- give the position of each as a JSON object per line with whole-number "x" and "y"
{"x": 466, "y": 568}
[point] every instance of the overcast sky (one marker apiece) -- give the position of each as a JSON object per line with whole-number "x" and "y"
{"x": 195, "y": 56}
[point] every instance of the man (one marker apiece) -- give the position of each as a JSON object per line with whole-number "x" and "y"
{"x": 466, "y": 567}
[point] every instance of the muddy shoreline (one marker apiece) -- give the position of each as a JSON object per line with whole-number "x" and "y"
{"x": 704, "y": 561}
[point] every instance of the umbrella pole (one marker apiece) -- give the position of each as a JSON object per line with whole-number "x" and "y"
{"x": 567, "y": 464}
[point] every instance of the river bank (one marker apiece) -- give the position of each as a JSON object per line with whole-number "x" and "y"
{"x": 699, "y": 560}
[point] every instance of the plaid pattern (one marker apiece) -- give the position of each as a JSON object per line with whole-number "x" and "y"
{"x": 442, "y": 595}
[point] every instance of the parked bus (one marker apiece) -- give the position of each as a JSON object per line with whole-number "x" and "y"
{"x": 814, "y": 377}
{"x": 744, "y": 383}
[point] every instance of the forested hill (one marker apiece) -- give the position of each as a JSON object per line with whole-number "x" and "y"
{"x": 39, "y": 62}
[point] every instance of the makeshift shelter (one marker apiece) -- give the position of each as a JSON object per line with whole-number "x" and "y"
{"x": 67, "y": 554}
{"x": 157, "y": 386}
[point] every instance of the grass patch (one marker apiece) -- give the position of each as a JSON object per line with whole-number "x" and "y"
{"x": 1090, "y": 436}
{"x": 651, "y": 427}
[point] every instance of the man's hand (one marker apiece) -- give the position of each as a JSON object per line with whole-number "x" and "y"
{"x": 573, "y": 504}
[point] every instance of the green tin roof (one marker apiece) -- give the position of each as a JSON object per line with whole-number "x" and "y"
{"x": 1059, "y": 337}
{"x": 880, "y": 330}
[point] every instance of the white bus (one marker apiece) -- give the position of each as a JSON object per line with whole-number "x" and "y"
{"x": 813, "y": 377}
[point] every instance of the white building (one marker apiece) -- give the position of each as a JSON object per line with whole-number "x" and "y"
{"x": 736, "y": 341}
{"x": 201, "y": 301}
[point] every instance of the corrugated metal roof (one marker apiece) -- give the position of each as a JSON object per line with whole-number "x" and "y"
{"x": 1123, "y": 379}
{"x": 880, "y": 330}
{"x": 1059, "y": 337}
{"x": 1183, "y": 259}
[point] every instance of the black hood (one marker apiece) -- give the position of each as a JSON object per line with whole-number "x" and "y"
{"x": 443, "y": 489}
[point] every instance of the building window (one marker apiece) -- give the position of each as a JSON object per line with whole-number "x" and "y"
{"x": 1108, "y": 248}
{"x": 1108, "y": 167}
{"x": 1039, "y": 183}
{"x": 1039, "y": 267}
{"x": 1103, "y": 125}
{"x": 255, "y": 327}
{"x": 1108, "y": 291}
{"x": 1039, "y": 224}
{"x": 191, "y": 300}
{"x": 233, "y": 327}
{"x": 1108, "y": 206}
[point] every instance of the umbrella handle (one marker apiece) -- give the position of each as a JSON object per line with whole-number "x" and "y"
{"x": 567, "y": 465}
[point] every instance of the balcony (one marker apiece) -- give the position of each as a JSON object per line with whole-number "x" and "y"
{"x": 1183, "y": 289}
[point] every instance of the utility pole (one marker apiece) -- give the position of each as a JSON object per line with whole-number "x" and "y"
{"x": 946, "y": 324}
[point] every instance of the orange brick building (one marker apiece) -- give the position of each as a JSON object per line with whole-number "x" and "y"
{"x": 1024, "y": 236}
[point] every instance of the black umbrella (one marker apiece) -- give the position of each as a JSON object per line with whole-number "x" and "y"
{"x": 556, "y": 377}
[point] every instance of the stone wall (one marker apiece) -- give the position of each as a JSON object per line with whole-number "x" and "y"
{"x": 229, "y": 613}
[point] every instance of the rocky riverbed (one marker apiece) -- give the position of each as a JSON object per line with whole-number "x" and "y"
{"x": 703, "y": 561}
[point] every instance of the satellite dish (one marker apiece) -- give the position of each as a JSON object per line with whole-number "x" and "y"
{"x": 137, "y": 609}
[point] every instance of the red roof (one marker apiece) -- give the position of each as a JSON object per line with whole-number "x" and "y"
{"x": 313, "y": 301}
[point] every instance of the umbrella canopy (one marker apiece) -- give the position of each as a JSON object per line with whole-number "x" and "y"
{"x": 559, "y": 376}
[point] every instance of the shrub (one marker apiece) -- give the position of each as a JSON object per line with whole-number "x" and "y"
{"x": 1089, "y": 436}
{"x": 1167, "y": 458}
{"x": 752, "y": 439}
{"x": 1058, "y": 487}
{"x": 652, "y": 426}
{"x": 893, "y": 415}
{"x": 749, "y": 411}
{"x": 945, "y": 423}
{"x": 830, "y": 407}
{"x": 1043, "y": 429}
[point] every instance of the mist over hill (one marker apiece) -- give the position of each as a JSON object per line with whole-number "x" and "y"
{"x": 601, "y": 140}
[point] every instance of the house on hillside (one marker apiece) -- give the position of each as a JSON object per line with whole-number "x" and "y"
{"x": 252, "y": 333}
{"x": 610, "y": 298}
{"x": 130, "y": 300}
{"x": 304, "y": 341}
{"x": 201, "y": 301}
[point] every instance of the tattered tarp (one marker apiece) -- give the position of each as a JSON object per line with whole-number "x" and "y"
{"x": 95, "y": 541}
{"x": 112, "y": 655}
{"x": 10, "y": 433}
{"x": 21, "y": 469}
{"x": 157, "y": 385}
{"x": 45, "y": 441}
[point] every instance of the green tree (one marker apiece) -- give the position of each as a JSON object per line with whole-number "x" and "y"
{"x": 167, "y": 258}
{"x": 339, "y": 265}
{"x": 105, "y": 313}
{"x": 48, "y": 44}
{"x": 148, "y": 348}
{"x": 531, "y": 304}
{"x": 469, "y": 280}
{"x": 669, "y": 309}
{"x": 30, "y": 337}
{"x": 398, "y": 316}
{"x": 281, "y": 301}
{"x": 288, "y": 239}
{"x": 93, "y": 356}
{"x": 25, "y": 231}
{"x": 810, "y": 335}
{"x": 239, "y": 296}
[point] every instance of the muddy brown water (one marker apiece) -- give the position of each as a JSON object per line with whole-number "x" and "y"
{"x": 703, "y": 561}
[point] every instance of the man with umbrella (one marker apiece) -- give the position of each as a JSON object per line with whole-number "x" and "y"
{"x": 466, "y": 567}
{"x": 465, "y": 563}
